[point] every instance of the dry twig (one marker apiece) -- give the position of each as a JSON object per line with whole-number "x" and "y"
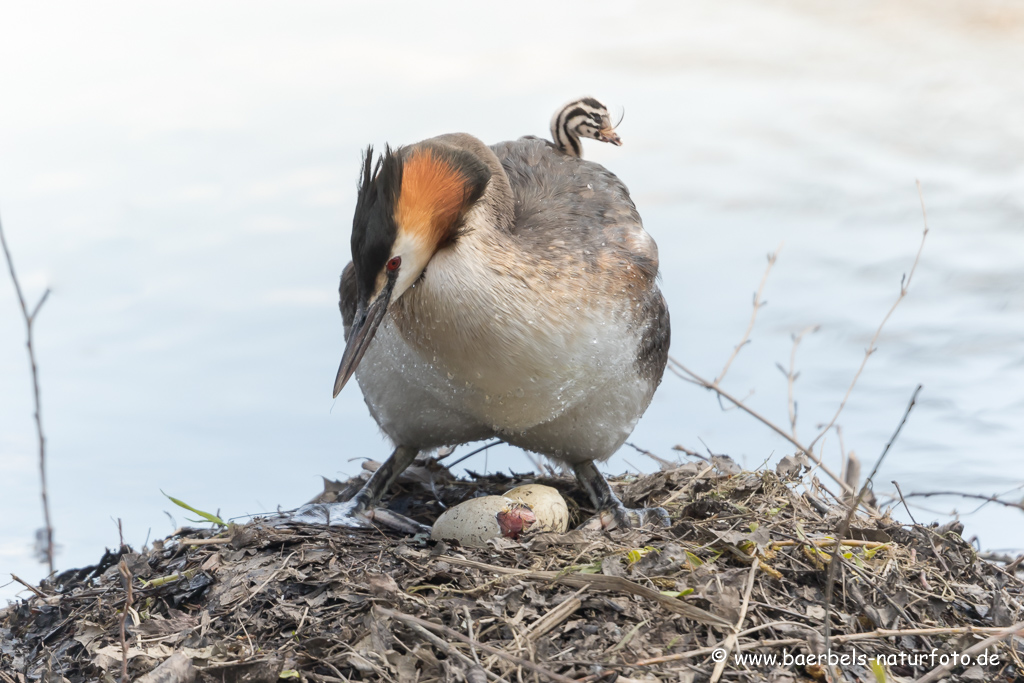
{"x": 731, "y": 641}
{"x": 685, "y": 373}
{"x": 938, "y": 672}
{"x": 689, "y": 375}
{"x": 205, "y": 541}
{"x": 792, "y": 374}
{"x": 269, "y": 579}
{"x": 844, "y": 527}
{"x": 904, "y": 287}
{"x": 30, "y": 318}
{"x": 447, "y": 648}
{"x": 39, "y": 593}
{"x": 451, "y": 633}
{"x": 905, "y": 506}
{"x": 554, "y": 617}
{"x": 973, "y": 496}
{"x": 758, "y": 303}
{"x": 821, "y": 542}
{"x": 126, "y": 577}
{"x": 602, "y": 581}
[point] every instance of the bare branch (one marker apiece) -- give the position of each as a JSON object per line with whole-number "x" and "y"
{"x": 904, "y": 286}
{"x": 758, "y": 303}
{"x": 940, "y": 671}
{"x": 38, "y": 593}
{"x": 126, "y": 579}
{"x": 29, "y": 320}
{"x": 447, "y": 648}
{"x": 792, "y": 375}
{"x": 662, "y": 462}
{"x": 42, "y": 300}
{"x": 844, "y": 527}
{"x": 690, "y": 452}
{"x": 905, "y": 506}
{"x": 681, "y": 370}
{"x": 842, "y": 455}
{"x": 731, "y": 641}
{"x": 471, "y": 453}
{"x": 973, "y": 496}
{"x": 451, "y": 633}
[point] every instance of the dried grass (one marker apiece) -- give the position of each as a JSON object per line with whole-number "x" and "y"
{"x": 743, "y": 567}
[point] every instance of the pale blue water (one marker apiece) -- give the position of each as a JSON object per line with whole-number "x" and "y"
{"x": 183, "y": 179}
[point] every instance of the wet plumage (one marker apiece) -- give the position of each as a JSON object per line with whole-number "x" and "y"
{"x": 549, "y": 333}
{"x": 516, "y": 298}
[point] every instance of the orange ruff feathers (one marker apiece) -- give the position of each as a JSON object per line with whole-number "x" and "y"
{"x": 432, "y": 197}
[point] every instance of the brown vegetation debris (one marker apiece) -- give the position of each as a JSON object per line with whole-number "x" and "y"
{"x": 743, "y": 567}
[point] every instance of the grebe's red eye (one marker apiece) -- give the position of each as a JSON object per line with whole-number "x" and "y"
{"x": 394, "y": 262}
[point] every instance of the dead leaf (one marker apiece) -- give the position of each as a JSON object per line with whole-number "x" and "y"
{"x": 88, "y": 634}
{"x": 381, "y": 584}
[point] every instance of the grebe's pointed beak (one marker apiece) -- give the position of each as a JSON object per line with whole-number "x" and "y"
{"x": 609, "y": 135}
{"x": 367, "y": 320}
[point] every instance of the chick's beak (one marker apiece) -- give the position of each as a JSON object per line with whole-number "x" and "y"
{"x": 609, "y": 135}
{"x": 365, "y": 325}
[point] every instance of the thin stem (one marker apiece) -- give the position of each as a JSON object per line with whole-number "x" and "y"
{"x": 758, "y": 303}
{"x": 792, "y": 374}
{"x": 126, "y": 578}
{"x": 472, "y": 453}
{"x": 940, "y": 671}
{"x": 975, "y": 496}
{"x": 451, "y": 633}
{"x": 731, "y": 640}
{"x": 29, "y": 320}
{"x": 904, "y": 286}
{"x": 684, "y": 372}
{"x": 844, "y": 527}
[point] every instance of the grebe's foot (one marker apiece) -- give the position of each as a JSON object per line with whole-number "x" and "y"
{"x": 352, "y": 514}
{"x": 622, "y": 517}
{"x": 611, "y": 513}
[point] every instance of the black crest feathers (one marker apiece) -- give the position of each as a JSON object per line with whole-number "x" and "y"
{"x": 373, "y": 225}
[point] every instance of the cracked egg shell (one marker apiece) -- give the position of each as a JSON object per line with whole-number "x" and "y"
{"x": 474, "y": 521}
{"x": 547, "y": 504}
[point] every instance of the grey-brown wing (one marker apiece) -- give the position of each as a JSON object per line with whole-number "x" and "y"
{"x": 652, "y": 356}
{"x": 347, "y": 296}
{"x": 566, "y": 203}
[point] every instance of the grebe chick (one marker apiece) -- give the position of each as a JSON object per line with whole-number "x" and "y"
{"x": 585, "y": 117}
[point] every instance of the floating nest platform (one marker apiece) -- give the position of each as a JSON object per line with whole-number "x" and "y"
{"x": 743, "y": 570}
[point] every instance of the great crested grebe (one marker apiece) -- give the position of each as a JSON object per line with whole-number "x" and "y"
{"x": 585, "y": 117}
{"x": 505, "y": 291}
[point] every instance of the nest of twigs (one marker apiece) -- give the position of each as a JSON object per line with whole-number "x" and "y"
{"x": 743, "y": 569}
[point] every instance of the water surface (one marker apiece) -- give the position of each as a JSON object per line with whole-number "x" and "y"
{"x": 183, "y": 179}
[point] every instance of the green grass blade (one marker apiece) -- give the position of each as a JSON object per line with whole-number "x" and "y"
{"x": 205, "y": 515}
